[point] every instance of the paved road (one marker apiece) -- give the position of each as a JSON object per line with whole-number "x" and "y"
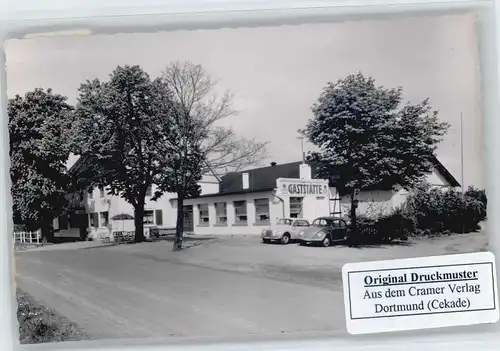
{"x": 112, "y": 293}
{"x": 223, "y": 287}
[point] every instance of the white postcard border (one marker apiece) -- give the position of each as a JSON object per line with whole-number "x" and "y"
{"x": 20, "y": 17}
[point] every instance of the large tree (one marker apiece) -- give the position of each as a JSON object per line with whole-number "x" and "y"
{"x": 136, "y": 131}
{"x": 116, "y": 129}
{"x": 368, "y": 138}
{"x": 38, "y": 125}
{"x": 197, "y": 143}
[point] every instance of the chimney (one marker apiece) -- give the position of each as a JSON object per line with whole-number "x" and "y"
{"x": 245, "y": 180}
{"x": 273, "y": 163}
{"x": 305, "y": 171}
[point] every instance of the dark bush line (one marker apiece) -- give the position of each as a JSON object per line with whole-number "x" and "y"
{"x": 427, "y": 212}
{"x": 384, "y": 229}
{"x": 436, "y": 211}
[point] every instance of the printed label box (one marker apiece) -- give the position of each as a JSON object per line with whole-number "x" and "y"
{"x": 420, "y": 293}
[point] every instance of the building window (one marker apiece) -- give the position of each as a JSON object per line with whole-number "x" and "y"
{"x": 296, "y": 207}
{"x": 240, "y": 211}
{"x": 91, "y": 193}
{"x": 104, "y": 219}
{"x": 159, "y": 217}
{"x": 101, "y": 192}
{"x": 221, "y": 212}
{"x": 204, "y": 216}
{"x": 261, "y": 210}
{"x": 148, "y": 217}
{"x": 94, "y": 220}
{"x": 149, "y": 191}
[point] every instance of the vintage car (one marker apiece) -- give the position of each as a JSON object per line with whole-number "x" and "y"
{"x": 324, "y": 231}
{"x": 285, "y": 230}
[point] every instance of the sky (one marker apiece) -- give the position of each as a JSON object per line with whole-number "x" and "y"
{"x": 277, "y": 73}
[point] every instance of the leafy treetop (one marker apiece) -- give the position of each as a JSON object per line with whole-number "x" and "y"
{"x": 367, "y": 138}
{"x": 39, "y": 123}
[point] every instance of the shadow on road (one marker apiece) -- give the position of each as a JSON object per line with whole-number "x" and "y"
{"x": 383, "y": 246}
{"x": 366, "y": 246}
{"x": 188, "y": 242}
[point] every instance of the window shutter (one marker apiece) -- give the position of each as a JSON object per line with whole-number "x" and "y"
{"x": 55, "y": 223}
{"x": 159, "y": 217}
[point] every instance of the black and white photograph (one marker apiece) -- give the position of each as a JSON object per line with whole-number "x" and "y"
{"x": 213, "y": 182}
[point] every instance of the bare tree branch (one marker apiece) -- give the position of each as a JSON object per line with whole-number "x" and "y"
{"x": 198, "y": 110}
{"x": 194, "y": 144}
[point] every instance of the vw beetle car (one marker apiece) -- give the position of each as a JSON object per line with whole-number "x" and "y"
{"x": 285, "y": 230}
{"x": 324, "y": 231}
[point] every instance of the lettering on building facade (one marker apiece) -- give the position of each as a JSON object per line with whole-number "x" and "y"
{"x": 303, "y": 189}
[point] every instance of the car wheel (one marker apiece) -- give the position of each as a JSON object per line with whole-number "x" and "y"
{"x": 326, "y": 242}
{"x": 302, "y": 243}
{"x": 266, "y": 241}
{"x": 285, "y": 239}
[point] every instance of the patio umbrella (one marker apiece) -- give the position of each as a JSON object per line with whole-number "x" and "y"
{"x": 122, "y": 216}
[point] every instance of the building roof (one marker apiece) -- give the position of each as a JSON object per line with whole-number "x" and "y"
{"x": 445, "y": 173}
{"x": 79, "y": 166}
{"x": 263, "y": 179}
{"x": 85, "y": 164}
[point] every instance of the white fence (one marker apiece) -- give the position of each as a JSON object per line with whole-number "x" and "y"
{"x": 28, "y": 237}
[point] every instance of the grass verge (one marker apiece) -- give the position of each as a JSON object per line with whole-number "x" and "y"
{"x": 39, "y": 324}
{"x": 27, "y": 246}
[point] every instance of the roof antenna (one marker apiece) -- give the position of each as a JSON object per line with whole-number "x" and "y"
{"x": 462, "y": 150}
{"x": 302, "y": 146}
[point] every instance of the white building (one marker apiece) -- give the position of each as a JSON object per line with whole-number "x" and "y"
{"x": 241, "y": 203}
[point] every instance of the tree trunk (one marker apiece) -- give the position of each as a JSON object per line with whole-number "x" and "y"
{"x": 139, "y": 222}
{"x": 354, "y": 224}
{"x": 179, "y": 228}
{"x": 47, "y": 232}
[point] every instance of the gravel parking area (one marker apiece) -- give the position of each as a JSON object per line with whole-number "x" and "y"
{"x": 316, "y": 266}
{"x": 221, "y": 287}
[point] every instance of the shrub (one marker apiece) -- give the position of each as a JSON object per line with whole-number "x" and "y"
{"x": 445, "y": 211}
{"x": 479, "y": 195}
{"x": 20, "y": 228}
{"x": 396, "y": 225}
{"x": 428, "y": 211}
{"x": 384, "y": 227}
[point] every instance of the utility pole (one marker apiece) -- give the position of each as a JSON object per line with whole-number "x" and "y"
{"x": 462, "y": 160}
{"x": 302, "y": 146}
{"x": 462, "y": 149}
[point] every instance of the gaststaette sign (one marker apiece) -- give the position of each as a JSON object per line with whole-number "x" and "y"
{"x": 302, "y": 188}
{"x": 305, "y": 189}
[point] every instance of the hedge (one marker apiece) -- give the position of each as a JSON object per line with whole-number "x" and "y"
{"x": 427, "y": 211}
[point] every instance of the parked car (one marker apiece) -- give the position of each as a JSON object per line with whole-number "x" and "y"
{"x": 325, "y": 231}
{"x": 285, "y": 230}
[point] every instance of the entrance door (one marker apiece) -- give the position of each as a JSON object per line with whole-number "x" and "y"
{"x": 188, "y": 218}
{"x": 83, "y": 224}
